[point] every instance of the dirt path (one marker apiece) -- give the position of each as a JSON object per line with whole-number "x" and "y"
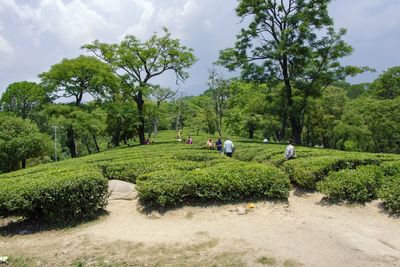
{"x": 305, "y": 232}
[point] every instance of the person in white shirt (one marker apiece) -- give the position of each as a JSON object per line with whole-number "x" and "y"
{"x": 228, "y": 147}
{"x": 290, "y": 152}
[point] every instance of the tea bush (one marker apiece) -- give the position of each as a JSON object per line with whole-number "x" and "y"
{"x": 390, "y": 193}
{"x": 307, "y": 171}
{"x": 54, "y": 197}
{"x": 221, "y": 182}
{"x": 357, "y": 185}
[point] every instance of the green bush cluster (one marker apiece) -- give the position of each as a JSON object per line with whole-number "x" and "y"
{"x": 221, "y": 182}
{"x": 307, "y": 171}
{"x": 130, "y": 170}
{"x": 54, "y": 197}
{"x": 357, "y": 185}
{"x": 390, "y": 193}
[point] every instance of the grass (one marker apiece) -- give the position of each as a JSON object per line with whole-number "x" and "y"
{"x": 271, "y": 261}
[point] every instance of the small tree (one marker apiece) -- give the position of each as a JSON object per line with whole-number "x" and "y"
{"x": 137, "y": 63}
{"x": 22, "y": 98}
{"x": 19, "y": 140}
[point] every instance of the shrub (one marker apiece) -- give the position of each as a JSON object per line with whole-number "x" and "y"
{"x": 306, "y": 172}
{"x": 222, "y": 182}
{"x": 358, "y": 185}
{"x": 60, "y": 198}
{"x": 391, "y": 168}
{"x": 390, "y": 193}
{"x": 130, "y": 170}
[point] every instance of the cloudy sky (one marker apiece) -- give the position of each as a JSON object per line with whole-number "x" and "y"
{"x": 35, "y": 34}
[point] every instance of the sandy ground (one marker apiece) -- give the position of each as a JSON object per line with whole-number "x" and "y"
{"x": 303, "y": 232}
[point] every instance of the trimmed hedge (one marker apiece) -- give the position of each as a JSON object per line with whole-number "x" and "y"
{"x": 130, "y": 170}
{"x": 390, "y": 193}
{"x": 391, "y": 168}
{"x": 222, "y": 182}
{"x": 60, "y": 198}
{"x": 306, "y": 172}
{"x": 358, "y": 185}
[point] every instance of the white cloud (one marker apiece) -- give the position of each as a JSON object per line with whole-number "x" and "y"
{"x": 5, "y": 47}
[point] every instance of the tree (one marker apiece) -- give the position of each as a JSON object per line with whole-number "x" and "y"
{"x": 159, "y": 94}
{"x": 22, "y": 98}
{"x": 19, "y": 140}
{"x": 246, "y": 111}
{"x": 219, "y": 90}
{"x": 77, "y": 77}
{"x": 387, "y": 86}
{"x": 291, "y": 42}
{"x": 137, "y": 63}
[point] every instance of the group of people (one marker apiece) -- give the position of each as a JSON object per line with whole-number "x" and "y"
{"x": 228, "y": 148}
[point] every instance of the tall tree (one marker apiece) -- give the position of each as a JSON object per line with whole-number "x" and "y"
{"x": 137, "y": 63}
{"x": 22, "y": 98}
{"x": 77, "y": 77}
{"x": 219, "y": 89}
{"x": 291, "y": 42}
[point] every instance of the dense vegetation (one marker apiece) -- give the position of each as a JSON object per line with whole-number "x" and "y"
{"x": 172, "y": 173}
{"x": 291, "y": 85}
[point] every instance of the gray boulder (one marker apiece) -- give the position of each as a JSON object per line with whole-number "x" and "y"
{"x": 121, "y": 190}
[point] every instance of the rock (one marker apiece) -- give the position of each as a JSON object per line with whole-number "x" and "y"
{"x": 121, "y": 190}
{"x": 241, "y": 211}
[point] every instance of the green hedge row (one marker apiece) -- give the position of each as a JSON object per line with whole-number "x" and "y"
{"x": 130, "y": 170}
{"x": 390, "y": 193}
{"x": 56, "y": 198}
{"x": 221, "y": 182}
{"x": 306, "y": 172}
{"x": 356, "y": 185}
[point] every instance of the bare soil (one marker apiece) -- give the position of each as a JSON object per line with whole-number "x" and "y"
{"x": 303, "y": 232}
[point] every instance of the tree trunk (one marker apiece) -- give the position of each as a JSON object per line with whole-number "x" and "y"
{"x": 141, "y": 130}
{"x": 95, "y": 143}
{"x": 23, "y": 163}
{"x": 71, "y": 143}
{"x": 251, "y": 132}
{"x": 294, "y": 122}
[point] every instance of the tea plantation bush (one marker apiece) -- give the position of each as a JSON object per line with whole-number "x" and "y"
{"x": 357, "y": 185}
{"x": 54, "y": 197}
{"x": 390, "y": 193}
{"x": 307, "y": 171}
{"x": 221, "y": 182}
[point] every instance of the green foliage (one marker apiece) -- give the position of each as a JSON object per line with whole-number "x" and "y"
{"x": 387, "y": 86}
{"x": 306, "y": 172}
{"x": 22, "y": 98}
{"x": 390, "y": 193}
{"x": 221, "y": 182}
{"x": 79, "y": 76}
{"x": 54, "y": 196}
{"x": 391, "y": 168}
{"x": 19, "y": 140}
{"x": 358, "y": 185}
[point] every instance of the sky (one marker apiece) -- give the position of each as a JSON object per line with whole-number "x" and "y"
{"x": 35, "y": 34}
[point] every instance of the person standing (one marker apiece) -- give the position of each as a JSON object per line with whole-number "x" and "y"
{"x": 218, "y": 144}
{"x": 229, "y": 147}
{"x": 290, "y": 152}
